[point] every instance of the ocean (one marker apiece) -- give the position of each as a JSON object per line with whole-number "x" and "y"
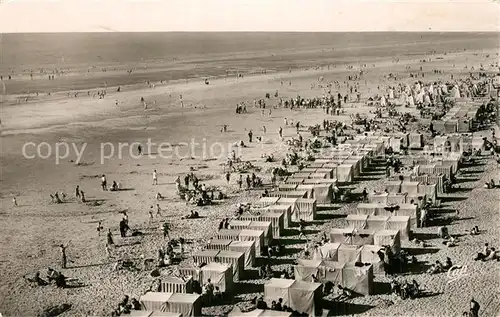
{"x": 181, "y": 55}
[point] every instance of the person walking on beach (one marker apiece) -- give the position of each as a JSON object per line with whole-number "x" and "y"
{"x": 109, "y": 238}
{"x": 104, "y": 182}
{"x": 14, "y": 201}
{"x": 158, "y": 210}
{"x": 77, "y": 191}
{"x": 155, "y": 177}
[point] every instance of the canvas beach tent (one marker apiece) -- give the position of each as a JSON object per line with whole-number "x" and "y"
{"x": 301, "y": 296}
{"x": 148, "y": 313}
{"x": 172, "y": 284}
{"x": 220, "y": 274}
{"x": 351, "y": 236}
{"x": 247, "y": 248}
{"x": 253, "y": 235}
{"x": 236, "y": 312}
{"x": 185, "y": 304}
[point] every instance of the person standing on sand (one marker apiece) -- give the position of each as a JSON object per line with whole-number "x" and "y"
{"x": 166, "y": 230}
{"x": 250, "y": 134}
{"x": 155, "y": 177}
{"x": 14, "y": 201}
{"x": 77, "y": 191}
{"x": 281, "y": 132}
{"x": 150, "y": 221}
{"x": 64, "y": 258}
{"x": 99, "y": 228}
{"x": 228, "y": 177}
{"x": 139, "y": 149}
{"x": 158, "y": 210}
{"x": 240, "y": 181}
{"x": 474, "y": 308}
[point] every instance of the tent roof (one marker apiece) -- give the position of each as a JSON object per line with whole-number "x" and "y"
{"x": 140, "y": 313}
{"x": 217, "y": 267}
{"x": 261, "y": 223}
{"x": 306, "y": 200}
{"x": 369, "y": 205}
{"x": 349, "y": 246}
{"x": 400, "y": 218}
{"x": 221, "y": 241}
{"x": 279, "y": 207}
{"x": 356, "y": 217}
{"x": 224, "y": 232}
{"x": 165, "y": 314}
{"x": 308, "y": 286}
{"x": 279, "y": 283}
{"x": 287, "y": 200}
{"x": 156, "y": 297}
{"x": 341, "y": 230}
{"x": 371, "y": 247}
{"x": 309, "y": 263}
{"x": 251, "y": 232}
{"x": 274, "y": 313}
{"x": 209, "y": 253}
{"x": 230, "y": 254}
{"x": 175, "y": 279}
{"x": 378, "y": 218}
{"x": 245, "y": 223}
{"x": 183, "y": 298}
{"x": 386, "y": 232}
{"x": 243, "y": 243}
{"x": 329, "y": 246}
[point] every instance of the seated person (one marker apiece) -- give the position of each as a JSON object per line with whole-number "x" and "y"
{"x": 451, "y": 242}
{"x": 261, "y": 304}
{"x": 36, "y": 279}
{"x": 217, "y": 293}
{"x": 52, "y": 275}
{"x": 482, "y": 255}
{"x": 114, "y": 187}
{"x": 443, "y": 232}
{"x": 447, "y": 264}
{"x": 435, "y": 268}
{"x": 492, "y": 256}
{"x": 159, "y": 196}
{"x": 474, "y": 231}
{"x": 345, "y": 293}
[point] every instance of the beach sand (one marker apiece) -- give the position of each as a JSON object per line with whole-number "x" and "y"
{"x": 31, "y": 231}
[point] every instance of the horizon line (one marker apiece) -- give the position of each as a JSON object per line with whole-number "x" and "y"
{"x": 246, "y": 31}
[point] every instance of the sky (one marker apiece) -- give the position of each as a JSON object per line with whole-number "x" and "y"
{"x": 248, "y": 15}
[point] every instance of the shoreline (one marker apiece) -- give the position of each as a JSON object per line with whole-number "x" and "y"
{"x": 59, "y": 109}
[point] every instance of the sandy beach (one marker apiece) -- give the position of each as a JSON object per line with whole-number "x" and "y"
{"x": 92, "y": 127}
